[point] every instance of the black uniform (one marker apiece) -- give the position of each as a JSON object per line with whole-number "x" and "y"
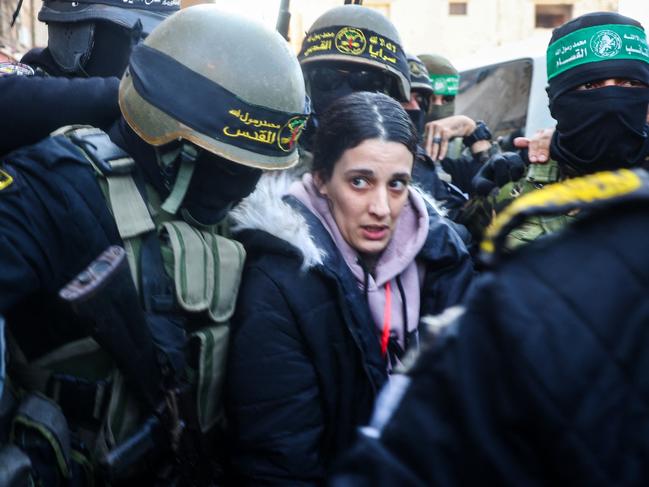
{"x": 35, "y": 106}
{"x": 545, "y": 378}
{"x": 55, "y": 221}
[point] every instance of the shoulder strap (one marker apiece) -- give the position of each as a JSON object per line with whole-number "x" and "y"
{"x": 114, "y": 166}
{"x": 594, "y": 192}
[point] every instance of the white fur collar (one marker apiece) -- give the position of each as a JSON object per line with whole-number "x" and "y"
{"x": 265, "y": 210}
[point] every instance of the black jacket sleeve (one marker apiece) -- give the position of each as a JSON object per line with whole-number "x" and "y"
{"x": 35, "y": 106}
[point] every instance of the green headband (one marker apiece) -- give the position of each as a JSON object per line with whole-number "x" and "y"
{"x": 445, "y": 84}
{"x": 595, "y": 44}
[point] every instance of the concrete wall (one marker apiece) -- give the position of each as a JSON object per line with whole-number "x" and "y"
{"x": 424, "y": 25}
{"x": 27, "y": 32}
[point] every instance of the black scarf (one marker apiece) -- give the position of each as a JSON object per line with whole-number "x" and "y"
{"x": 601, "y": 129}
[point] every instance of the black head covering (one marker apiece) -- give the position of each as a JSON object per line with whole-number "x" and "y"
{"x": 613, "y": 68}
{"x": 603, "y": 128}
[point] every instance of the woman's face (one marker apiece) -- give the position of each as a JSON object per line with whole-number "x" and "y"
{"x": 367, "y": 191}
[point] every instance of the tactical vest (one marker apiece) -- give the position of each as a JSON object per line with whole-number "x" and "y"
{"x": 204, "y": 272}
{"x": 581, "y": 197}
{"x": 537, "y": 177}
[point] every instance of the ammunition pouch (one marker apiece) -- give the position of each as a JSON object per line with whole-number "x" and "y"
{"x": 207, "y": 273}
{"x": 41, "y": 431}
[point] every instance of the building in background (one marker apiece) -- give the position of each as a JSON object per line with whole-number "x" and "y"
{"x": 461, "y": 29}
{"x": 456, "y": 28}
{"x": 26, "y": 32}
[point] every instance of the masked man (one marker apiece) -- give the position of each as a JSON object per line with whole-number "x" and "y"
{"x": 197, "y": 127}
{"x": 75, "y": 79}
{"x": 543, "y": 378}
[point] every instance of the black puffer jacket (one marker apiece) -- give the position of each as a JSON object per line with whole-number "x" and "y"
{"x": 305, "y": 363}
{"x": 543, "y": 382}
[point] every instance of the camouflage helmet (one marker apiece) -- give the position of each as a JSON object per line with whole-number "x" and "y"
{"x": 190, "y": 80}
{"x": 419, "y": 79}
{"x": 444, "y": 78}
{"x": 120, "y": 12}
{"x": 356, "y": 34}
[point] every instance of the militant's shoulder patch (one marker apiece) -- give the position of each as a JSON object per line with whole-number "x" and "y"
{"x": 593, "y": 192}
{"x": 6, "y": 180}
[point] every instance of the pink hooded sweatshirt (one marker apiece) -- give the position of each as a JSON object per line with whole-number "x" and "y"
{"x": 396, "y": 264}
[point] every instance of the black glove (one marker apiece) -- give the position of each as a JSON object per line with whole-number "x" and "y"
{"x": 499, "y": 170}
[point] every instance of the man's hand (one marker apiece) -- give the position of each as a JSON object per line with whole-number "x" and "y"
{"x": 538, "y": 147}
{"x": 438, "y": 133}
{"x": 499, "y": 170}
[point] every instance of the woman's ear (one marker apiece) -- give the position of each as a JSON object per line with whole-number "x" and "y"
{"x": 320, "y": 183}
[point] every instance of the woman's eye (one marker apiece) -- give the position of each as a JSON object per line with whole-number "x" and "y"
{"x": 359, "y": 183}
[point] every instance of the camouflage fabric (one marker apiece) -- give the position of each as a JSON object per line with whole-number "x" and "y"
{"x": 538, "y": 176}
{"x": 479, "y": 211}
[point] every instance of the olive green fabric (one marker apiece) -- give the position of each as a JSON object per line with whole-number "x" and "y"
{"x": 207, "y": 270}
{"x": 538, "y": 176}
{"x": 436, "y": 64}
{"x": 479, "y": 211}
{"x": 212, "y": 344}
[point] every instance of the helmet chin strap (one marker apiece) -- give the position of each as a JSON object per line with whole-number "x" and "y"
{"x": 188, "y": 155}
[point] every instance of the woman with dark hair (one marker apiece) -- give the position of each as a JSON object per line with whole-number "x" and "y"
{"x": 341, "y": 264}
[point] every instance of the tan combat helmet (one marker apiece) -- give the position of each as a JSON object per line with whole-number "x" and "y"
{"x": 356, "y": 34}
{"x": 444, "y": 77}
{"x": 228, "y": 84}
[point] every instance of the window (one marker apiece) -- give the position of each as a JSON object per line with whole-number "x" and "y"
{"x": 457, "y": 8}
{"x": 498, "y": 94}
{"x": 551, "y": 16}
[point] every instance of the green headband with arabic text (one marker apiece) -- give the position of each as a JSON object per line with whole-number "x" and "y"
{"x": 595, "y": 44}
{"x": 445, "y": 84}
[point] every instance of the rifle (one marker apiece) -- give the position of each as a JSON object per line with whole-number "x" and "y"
{"x": 284, "y": 19}
{"x": 105, "y": 296}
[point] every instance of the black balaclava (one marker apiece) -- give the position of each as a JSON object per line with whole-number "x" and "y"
{"x": 419, "y": 84}
{"x": 603, "y": 128}
{"x": 216, "y": 184}
{"x": 112, "y": 49}
{"x": 92, "y": 48}
{"x": 418, "y": 118}
{"x": 321, "y": 99}
{"x": 435, "y": 112}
